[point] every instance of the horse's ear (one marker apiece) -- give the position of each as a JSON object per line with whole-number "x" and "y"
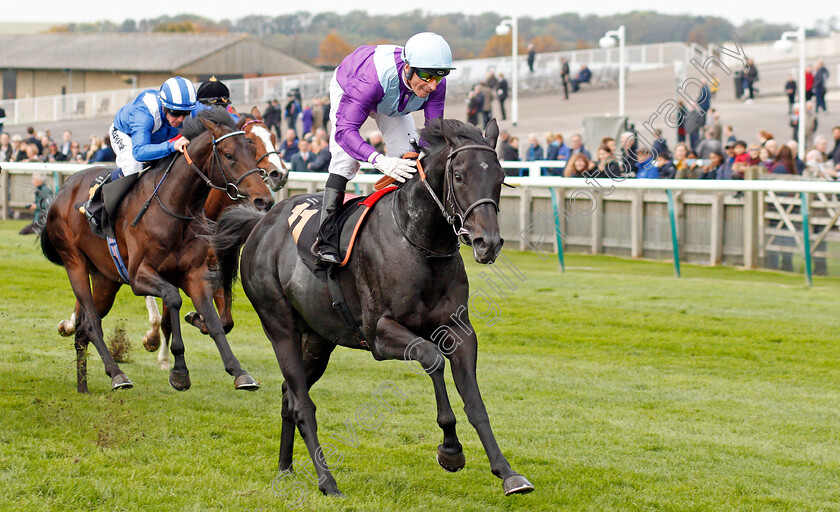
{"x": 211, "y": 127}
{"x": 491, "y": 133}
{"x": 256, "y": 113}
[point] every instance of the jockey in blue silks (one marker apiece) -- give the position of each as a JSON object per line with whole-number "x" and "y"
{"x": 386, "y": 83}
{"x": 147, "y": 128}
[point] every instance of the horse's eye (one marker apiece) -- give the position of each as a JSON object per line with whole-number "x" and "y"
{"x": 252, "y": 142}
{"x": 458, "y": 177}
{"x": 229, "y": 156}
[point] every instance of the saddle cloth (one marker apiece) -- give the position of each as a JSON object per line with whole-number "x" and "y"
{"x": 303, "y": 213}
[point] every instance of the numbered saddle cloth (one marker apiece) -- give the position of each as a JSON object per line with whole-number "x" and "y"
{"x": 303, "y": 213}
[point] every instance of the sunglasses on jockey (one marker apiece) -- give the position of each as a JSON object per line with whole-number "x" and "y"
{"x": 178, "y": 113}
{"x": 429, "y": 75}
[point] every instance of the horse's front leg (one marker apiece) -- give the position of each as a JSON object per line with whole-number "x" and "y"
{"x": 146, "y": 281}
{"x": 202, "y": 296}
{"x": 393, "y": 341}
{"x": 462, "y": 358}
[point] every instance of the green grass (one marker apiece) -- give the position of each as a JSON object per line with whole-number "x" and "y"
{"x": 614, "y": 386}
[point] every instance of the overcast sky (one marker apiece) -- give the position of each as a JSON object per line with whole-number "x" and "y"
{"x": 64, "y": 11}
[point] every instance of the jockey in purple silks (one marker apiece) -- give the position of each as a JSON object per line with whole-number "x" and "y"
{"x": 386, "y": 83}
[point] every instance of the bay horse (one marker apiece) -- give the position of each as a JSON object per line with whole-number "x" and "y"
{"x": 163, "y": 252}
{"x": 275, "y": 174}
{"x": 404, "y": 284}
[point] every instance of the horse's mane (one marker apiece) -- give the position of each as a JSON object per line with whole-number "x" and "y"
{"x": 193, "y": 126}
{"x": 455, "y": 130}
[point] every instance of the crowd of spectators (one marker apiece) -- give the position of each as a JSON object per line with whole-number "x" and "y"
{"x": 40, "y": 147}
{"x": 719, "y": 155}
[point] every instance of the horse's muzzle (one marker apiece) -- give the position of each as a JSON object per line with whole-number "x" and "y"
{"x": 486, "y": 249}
{"x": 264, "y": 204}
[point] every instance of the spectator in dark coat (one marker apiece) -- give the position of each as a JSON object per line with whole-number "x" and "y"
{"x": 532, "y": 55}
{"x": 502, "y": 94}
{"x": 321, "y": 162}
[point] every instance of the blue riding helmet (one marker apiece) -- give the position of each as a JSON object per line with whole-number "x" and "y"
{"x": 178, "y": 93}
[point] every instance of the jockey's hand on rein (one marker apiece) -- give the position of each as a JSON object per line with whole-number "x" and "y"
{"x": 180, "y": 144}
{"x": 400, "y": 169}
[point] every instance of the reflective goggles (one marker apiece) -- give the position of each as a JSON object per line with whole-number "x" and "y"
{"x": 428, "y": 75}
{"x": 178, "y": 113}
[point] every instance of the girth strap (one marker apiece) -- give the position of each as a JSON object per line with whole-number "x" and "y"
{"x": 339, "y": 303}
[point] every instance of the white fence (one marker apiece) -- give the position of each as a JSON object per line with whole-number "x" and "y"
{"x": 256, "y": 91}
{"x": 759, "y": 226}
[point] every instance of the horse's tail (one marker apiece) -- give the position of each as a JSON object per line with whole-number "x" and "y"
{"x": 232, "y": 230}
{"x": 47, "y": 246}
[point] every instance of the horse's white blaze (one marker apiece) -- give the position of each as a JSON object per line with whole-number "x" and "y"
{"x": 265, "y": 136}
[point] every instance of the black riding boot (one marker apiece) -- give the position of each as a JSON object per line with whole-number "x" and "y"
{"x": 326, "y": 245}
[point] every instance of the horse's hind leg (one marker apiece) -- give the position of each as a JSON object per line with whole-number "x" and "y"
{"x": 89, "y": 326}
{"x": 151, "y": 340}
{"x": 393, "y": 341}
{"x": 104, "y": 293}
{"x": 201, "y": 294}
{"x": 316, "y": 356}
{"x": 279, "y": 325}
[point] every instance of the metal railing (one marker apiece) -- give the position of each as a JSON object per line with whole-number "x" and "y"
{"x": 691, "y": 220}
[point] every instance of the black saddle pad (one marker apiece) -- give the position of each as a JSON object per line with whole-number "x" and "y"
{"x": 303, "y": 213}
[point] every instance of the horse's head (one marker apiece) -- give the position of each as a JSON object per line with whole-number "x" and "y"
{"x": 274, "y": 172}
{"x": 470, "y": 184}
{"x": 229, "y": 159}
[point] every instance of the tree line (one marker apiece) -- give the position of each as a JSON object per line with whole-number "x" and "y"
{"x": 322, "y": 39}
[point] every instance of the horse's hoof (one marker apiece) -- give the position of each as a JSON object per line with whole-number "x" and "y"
{"x": 120, "y": 381}
{"x": 151, "y": 341}
{"x": 517, "y": 484}
{"x": 333, "y": 492}
{"x": 246, "y": 382}
{"x": 197, "y": 321}
{"x": 180, "y": 381}
{"x": 451, "y": 462}
{"x": 66, "y": 328}
{"x": 163, "y": 364}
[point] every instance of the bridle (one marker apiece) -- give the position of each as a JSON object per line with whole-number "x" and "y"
{"x": 231, "y": 187}
{"x": 275, "y": 152}
{"x": 458, "y": 215}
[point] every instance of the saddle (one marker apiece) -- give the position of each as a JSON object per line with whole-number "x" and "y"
{"x": 105, "y": 197}
{"x": 300, "y": 211}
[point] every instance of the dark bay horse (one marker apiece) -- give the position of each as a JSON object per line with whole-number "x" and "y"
{"x": 163, "y": 252}
{"x": 405, "y": 285}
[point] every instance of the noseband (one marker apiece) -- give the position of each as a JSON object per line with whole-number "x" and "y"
{"x": 458, "y": 216}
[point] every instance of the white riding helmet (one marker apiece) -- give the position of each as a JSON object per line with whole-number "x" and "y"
{"x": 427, "y": 50}
{"x": 178, "y": 93}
